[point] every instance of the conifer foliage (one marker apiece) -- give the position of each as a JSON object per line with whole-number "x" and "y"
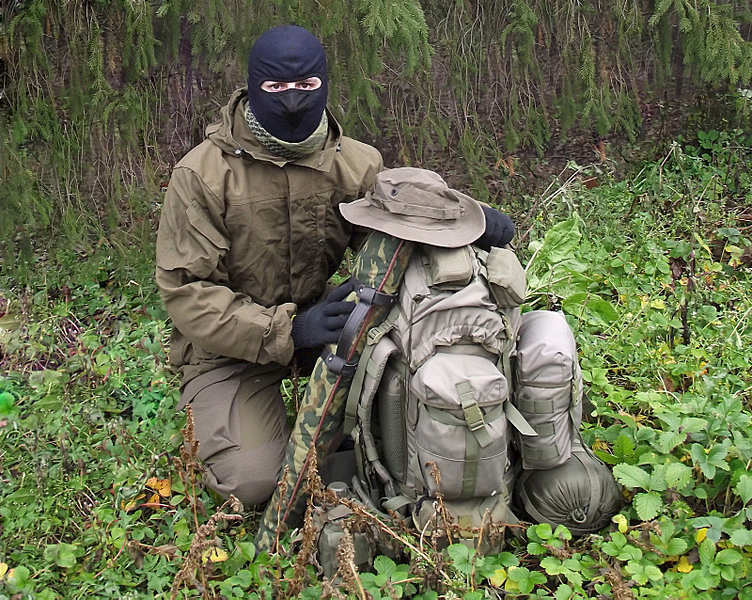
{"x": 98, "y": 99}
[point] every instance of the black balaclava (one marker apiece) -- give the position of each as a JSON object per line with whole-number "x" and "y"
{"x": 287, "y": 53}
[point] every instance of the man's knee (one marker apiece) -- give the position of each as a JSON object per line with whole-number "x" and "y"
{"x": 249, "y": 475}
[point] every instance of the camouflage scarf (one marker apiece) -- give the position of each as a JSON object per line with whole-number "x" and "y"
{"x": 291, "y": 150}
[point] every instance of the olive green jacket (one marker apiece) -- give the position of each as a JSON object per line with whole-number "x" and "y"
{"x": 246, "y": 237}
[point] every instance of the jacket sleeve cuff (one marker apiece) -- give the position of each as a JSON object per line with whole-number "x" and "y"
{"x": 276, "y": 344}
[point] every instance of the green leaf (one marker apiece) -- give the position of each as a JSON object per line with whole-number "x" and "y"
{"x": 678, "y": 475}
{"x": 707, "y": 551}
{"x": 21, "y": 576}
{"x": 6, "y": 402}
{"x": 632, "y": 476}
{"x": 676, "y": 547}
{"x": 668, "y": 440}
{"x": 743, "y": 489}
{"x": 63, "y": 555}
{"x": 526, "y": 580}
{"x": 384, "y": 565}
{"x": 561, "y": 240}
{"x": 462, "y": 558}
{"x": 590, "y": 308}
{"x": 648, "y": 505}
{"x": 564, "y": 592}
{"x": 741, "y": 537}
{"x": 623, "y": 447}
{"x": 729, "y": 556}
{"x": 653, "y": 573}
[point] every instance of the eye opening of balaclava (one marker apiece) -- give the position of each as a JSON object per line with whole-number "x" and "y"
{"x": 287, "y": 53}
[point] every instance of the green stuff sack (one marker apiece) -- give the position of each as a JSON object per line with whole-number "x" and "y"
{"x": 581, "y": 494}
{"x": 380, "y": 266}
{"x": 548, "y": 389}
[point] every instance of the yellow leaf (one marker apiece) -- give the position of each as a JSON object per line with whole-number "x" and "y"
{"x": 3, "y": 570}
{"x": 214, "y": 555}
{"x": 511, "y": 586}
{"x": 153, "y": 501}
{"x": 621, "y": 521}
{"x": 161, "y": 486}
{"x": 683, "y": 565}
{"x": 498, "y": 578}
{"x": 700, "y": 535}
{"x": 600, "y": 445}
{"x": 131, "y": 504}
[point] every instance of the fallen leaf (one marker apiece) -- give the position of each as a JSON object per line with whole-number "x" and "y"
{"x": 683, "y": 566}
{"x": 3, "y": 570}
{"x": 700, "y": 535}
{"x": 214, "y": 555}
{"x": 621, "y": 521}
{"x": 161, "y": 486}
{"x": 153, "y": 502}
{"x": 131, "y": 504}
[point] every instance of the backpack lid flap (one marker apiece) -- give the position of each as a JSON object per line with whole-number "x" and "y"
{"x": 435, "y": 382}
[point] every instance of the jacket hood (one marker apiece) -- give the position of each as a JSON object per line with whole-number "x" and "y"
{"x": 233, "y": 135}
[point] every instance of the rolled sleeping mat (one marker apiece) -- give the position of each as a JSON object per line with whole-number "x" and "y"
{"x": 379, "y": 268}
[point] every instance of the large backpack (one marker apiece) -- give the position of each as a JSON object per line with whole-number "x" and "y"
{"x": 429, "y": 406}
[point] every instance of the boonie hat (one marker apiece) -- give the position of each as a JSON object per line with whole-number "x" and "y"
{"x": 417, "y": 205}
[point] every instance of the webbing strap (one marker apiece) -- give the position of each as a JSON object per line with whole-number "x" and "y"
{"x": 536, "y": 407}
{"x": 396, "y": 503}
{"x": 356, "y": 387}
{"x": 368, "y": 365}
{"x": 519, "y": 422}
{"x": 473, "y": 413}
{"x": 368, "y": 297}
{"x": 595, "y": 492}
{"x": 529, "y": 508}
{"x": 470, "y": 467}
{"x": 577, "y": 391}
{"x": 545, "y": 429}
{"x": 538, "y": 454}
{"x": 447, "y": 418}
{"x": 595, "y": 484}
{"x": 417, "y": 472}
{"x": 371, "y": 295}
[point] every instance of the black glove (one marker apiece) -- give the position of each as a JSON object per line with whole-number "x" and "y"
{"x": 499, "y": 229}
{"x": 323, "y": 322}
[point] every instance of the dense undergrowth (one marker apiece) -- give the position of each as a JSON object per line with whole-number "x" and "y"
{"x": 97, "y": 499}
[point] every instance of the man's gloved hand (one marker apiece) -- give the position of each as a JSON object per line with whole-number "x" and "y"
{"x": 499, "y": 229}
{"x": 323, "y": 322}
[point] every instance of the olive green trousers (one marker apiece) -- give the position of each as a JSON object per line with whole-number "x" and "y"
{"x": 240, "y": 422}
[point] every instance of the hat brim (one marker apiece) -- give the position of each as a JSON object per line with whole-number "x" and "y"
{"x": 449, "y": 233}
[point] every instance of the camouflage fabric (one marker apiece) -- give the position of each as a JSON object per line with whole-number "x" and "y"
{"x": 381, "y": 264}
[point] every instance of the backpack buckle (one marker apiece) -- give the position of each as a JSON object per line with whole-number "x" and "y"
{"x": 473, "y": 416}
